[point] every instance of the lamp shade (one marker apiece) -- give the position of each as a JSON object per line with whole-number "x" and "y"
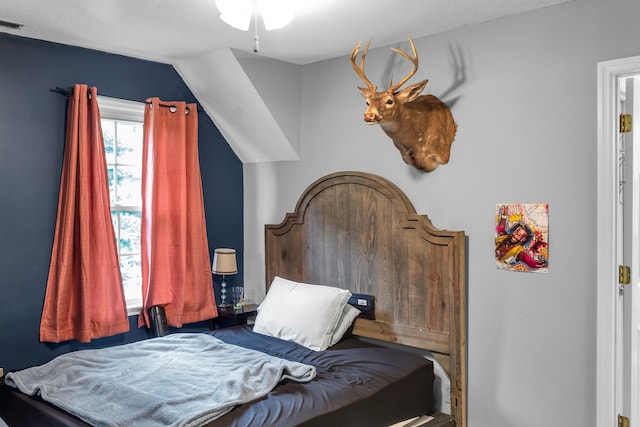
{"x": 224, "y": 261}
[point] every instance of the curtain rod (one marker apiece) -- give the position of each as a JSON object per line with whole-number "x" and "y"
{"x": 67, "y": 91}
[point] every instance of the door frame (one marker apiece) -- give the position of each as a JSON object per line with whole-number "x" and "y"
{"x": 608, "y": 381}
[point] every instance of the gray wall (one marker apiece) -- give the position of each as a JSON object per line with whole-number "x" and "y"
{"x": 524, "y": 95}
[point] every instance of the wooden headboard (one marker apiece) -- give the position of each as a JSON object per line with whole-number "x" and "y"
{"x": 360, "y": 232}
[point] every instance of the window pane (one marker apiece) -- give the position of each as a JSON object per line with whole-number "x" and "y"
{"x": 108, "y": 134}
{"x": 130, "y": 233}
{"x": 130, "y": 268}
{"x": 111, "y": 174}
{"x": 129, "y": 143}
{"x": 129, "y": 186}
{"x": 122, "y": 130}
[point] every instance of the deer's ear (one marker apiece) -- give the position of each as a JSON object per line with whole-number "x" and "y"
{"x": 367, "y": 91}
{"x": 410, "y": 93}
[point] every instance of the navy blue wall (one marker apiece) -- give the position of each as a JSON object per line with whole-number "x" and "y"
{"x": 32, "y": 125}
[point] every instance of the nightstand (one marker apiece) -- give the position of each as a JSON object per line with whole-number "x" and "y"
{"x": 230, "y": 316}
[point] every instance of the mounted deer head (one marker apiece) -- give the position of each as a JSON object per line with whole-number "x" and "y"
{"x": 421, "y": 127}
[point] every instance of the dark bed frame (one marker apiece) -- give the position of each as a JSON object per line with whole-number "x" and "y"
{"x": 359, "y": 231}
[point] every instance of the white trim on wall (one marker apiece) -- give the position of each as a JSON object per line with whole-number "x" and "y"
{"x": 608, "y": 381}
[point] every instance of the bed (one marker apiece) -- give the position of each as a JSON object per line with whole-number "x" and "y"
{"x": 357, "y": 233}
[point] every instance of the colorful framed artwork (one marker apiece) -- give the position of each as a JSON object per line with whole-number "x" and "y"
{"x": 522, "y": 237}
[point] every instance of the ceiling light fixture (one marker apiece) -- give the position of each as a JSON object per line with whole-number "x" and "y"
{"x": 238, "y": 13}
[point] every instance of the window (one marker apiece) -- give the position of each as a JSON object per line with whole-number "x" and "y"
{"x": 122, "y": 126}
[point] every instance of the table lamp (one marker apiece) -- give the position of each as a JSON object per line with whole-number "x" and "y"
{"x": 224, "y": 263}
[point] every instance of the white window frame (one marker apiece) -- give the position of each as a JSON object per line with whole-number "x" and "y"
{"x": 131, "y": 111}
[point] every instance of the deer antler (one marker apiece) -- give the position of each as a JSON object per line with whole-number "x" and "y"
{"x": 414, "y": 61}
{"x": 360, "y": 69}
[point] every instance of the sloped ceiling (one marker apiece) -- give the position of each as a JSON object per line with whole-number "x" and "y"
{"x": 208, "y": 53}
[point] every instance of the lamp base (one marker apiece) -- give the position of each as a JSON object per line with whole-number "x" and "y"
{"x": 223, "y": 295}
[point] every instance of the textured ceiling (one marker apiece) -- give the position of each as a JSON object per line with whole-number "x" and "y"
{"x": 169, "y": 30}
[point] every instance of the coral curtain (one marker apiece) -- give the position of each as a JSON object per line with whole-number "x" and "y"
{"x": 176, "y": 272}
{"x": 84, "y": 297}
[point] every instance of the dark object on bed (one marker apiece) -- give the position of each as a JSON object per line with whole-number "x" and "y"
{"x": 360, "y": 232}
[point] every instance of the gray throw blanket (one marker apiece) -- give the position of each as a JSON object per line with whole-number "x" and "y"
{"x": 185, "y": 379}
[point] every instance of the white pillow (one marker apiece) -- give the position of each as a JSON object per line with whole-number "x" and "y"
{"x": 304, "y": 313}
{"x": 349, "y": 314}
